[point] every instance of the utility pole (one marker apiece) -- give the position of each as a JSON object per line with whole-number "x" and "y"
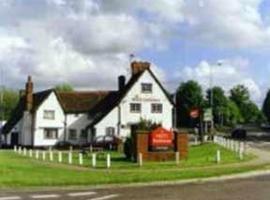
{"x": 2, "y": 114}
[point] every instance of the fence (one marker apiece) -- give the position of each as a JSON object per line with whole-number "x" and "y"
{"x": 238, "y": 147}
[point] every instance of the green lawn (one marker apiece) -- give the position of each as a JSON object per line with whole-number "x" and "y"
{"x": 19, "y": 171}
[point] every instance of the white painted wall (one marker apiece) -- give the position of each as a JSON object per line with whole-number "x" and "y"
{"x": 111, "y": 120}
{"x": 136, "y": 96}
{"x": 77, "y": 122}
{"x": 51, "y": 103}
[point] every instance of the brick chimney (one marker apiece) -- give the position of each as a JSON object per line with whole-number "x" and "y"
{"x": 29, "y": 94}
{"x": 138, "y": 67}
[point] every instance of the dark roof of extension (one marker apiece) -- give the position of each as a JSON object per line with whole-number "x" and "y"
{"x": 114, "y": 98}
{"x": 17, "y": 113}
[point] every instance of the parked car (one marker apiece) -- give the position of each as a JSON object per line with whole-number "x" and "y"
{"x": 239, "y": 133}
{"x": 106, "y": 142}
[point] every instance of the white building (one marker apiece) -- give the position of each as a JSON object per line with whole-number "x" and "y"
{"x": 47, "y": 117}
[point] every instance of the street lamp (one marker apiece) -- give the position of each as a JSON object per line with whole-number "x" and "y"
{"x": 219, "y": 63}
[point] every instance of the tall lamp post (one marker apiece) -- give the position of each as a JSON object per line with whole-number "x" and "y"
{"x": 219, "y": 63}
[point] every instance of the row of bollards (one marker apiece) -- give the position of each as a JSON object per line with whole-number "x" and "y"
{"x": 233, "y": 145}
{"x": 38, "y": 154}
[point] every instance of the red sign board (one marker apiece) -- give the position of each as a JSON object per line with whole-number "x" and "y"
{"x": 161, "y": 137}
{"x": 195, "y": 113}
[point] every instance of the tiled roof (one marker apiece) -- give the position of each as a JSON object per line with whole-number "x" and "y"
{"x": 79, "y": 102}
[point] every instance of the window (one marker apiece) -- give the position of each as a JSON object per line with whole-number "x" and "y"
{"x": 110, "y": 131}
{"x": 83, "y": 134}
{"x": 49, "y": 114}
{"x": 135, "y": 107}
{"x": 72, "y": 134}
{"x": 50, "y": 133}
{"x": 156, "y": 108}
{"x": 146, "y": 88}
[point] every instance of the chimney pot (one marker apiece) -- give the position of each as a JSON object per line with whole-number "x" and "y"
{"x": 121, "y": 82}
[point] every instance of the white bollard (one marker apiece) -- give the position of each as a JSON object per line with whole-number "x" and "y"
{"x": 51, "y": 156}
{"x": 140, "y": 159}
{"x": 70, "y": 158}
{"x": 94, "y": 160}
{"x": 15, "y": 148}
{"x": 177, "y": 158}
{"x": 37, "y": 154}
{"x": 232, "y": 145}
{"x": 44, "y": 155}
{"x": 80, "y": 159}
{"x": 30, "y": 153}
{"x": 218, "y": 157}
{"x": 60, "y": 158}
{"x": 24, "y": 151}
{"x": 20, "y": 150}
{"x": 108, "y": 161}
{"x": 241, "y": 155}
{"x": 196, "y": 140}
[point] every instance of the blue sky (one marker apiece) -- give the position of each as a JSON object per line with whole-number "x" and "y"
{"x": 79, "y": 42}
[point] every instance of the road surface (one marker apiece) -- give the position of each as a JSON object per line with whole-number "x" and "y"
{"x": 257, "y": 188}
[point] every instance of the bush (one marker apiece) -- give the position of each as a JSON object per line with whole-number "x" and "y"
{"x": 147, "y": 125}
{"x": 128, "y": 148}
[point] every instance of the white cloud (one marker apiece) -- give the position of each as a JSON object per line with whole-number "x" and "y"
{"x": 227, "y": 23}
{"x": 227, "y": 75}
{"x": 81, "y": 41}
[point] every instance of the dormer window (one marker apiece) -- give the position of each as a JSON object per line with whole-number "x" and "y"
{"x": 147, "y": 87}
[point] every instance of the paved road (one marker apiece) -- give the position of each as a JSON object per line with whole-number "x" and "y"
{"x": 257, "y": 188}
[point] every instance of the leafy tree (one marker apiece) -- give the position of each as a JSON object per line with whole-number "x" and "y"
{"x": 240, "y": 95}
{"x": 232, "y": 115}
{"x": 10, "y": 100}
{"x": 249, "y": 110}
{"x": 266, "y": 106}
{"x": 64, "y": 87}
{"x": 220, "y": 102}
{"x": 189, "y": 95}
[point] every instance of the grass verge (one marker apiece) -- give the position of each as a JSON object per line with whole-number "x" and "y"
{"x": 19, "y": 171}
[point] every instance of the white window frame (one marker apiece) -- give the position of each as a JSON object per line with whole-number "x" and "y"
{"x": 48, "y": 131}
{"x": 110, "y": 131}
{"x": 156, "y": 108}
{"x": 70, "y": 132}
{"x": 49, "y": 114}
{"x": 135, "y": 107}
{"x": 147, "y": 87}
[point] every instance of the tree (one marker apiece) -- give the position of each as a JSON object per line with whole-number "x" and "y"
{"x": 189, "y": 95}
{"x": 266, "y": 106}
{"x": 10, "y": 100}
{"x": 220, "y": 102}
{"x": 232, "y": 115}
{"x": 64, "y": 87}
{"x": 249, "y": 110}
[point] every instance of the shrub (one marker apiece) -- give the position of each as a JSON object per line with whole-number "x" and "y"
{"x": 128, "y": 148}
